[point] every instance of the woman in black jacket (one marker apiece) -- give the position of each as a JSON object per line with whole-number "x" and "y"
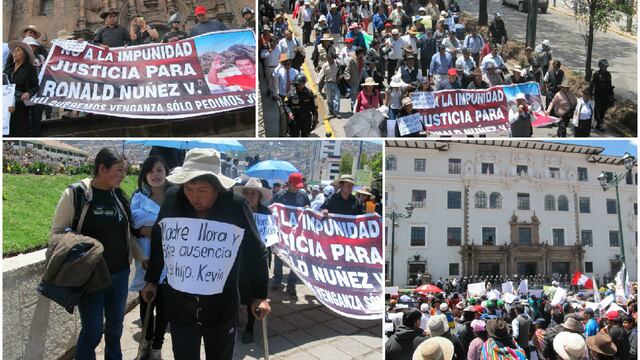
{"x": 23, "y": 74}
{"x": 203, "y": 193}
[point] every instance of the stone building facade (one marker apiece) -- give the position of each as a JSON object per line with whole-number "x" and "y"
{"x": 505, "y": 207}
{"x": 82, "y": 17}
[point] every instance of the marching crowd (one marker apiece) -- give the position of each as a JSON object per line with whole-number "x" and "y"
{"x": 378, "y": 52}
{"x": 434, "y": 323}
{"x": 23, "y": 59}
{"x": 97, "y": 231}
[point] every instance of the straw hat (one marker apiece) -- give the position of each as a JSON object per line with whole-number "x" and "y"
{"x": 26, "y": 48}
{"x": 200, "y": 162}
{"x": 369, "y": 82}
{"x": 435, "y": 348}
{"x": 438, "y": 325}
{"x": 396, "y": 81}
{"x": 413, "y": 30}
{"x": 569, "y": 346}
{"x": 565, "y": 82}
{"x": 64, "y": 35}
{"x": 32, "y": 28}
{"x": 406, "y": 101}
{"x": 104, "y": 14}
{"x": 326, "y": 37}
{"x": 255, "y": 184}
{"x": 30, "y": 41}
{"x": 365, "y": 191}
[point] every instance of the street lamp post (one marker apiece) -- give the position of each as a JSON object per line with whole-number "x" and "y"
{"x": 628, "y": 161}
{"x": 394, "y": 216}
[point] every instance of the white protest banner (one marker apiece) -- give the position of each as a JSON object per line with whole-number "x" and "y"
{"x": 338, "y": 257}
{"x": 392, "y": 290}
{"x": 409, "y": 124}
{"x": 199, "y": 253}
{"x": 8, "y": 99}
{"x": 537, "y": 293}
{"x": 615, "y": 307}
{"x": 476, "y": 289}
{"x": 493, "y": 294}
{"x": 507, "y": 287}
{"x": 423, "y": 100}
{"x": 605, "y": 302}
{"x": 509, "y": 298}
{"x": 559, "y": 296}
{"x": 591, "y": 305}
{"x": 523, "y": 288}
{"x": 267, "y": 228}
{"x": 70, "y": 45}
{"x": 391, "y": 128}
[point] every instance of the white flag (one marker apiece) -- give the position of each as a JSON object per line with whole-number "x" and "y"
{"x": 559, "y": 296}
{"x": 620, "y": 285}
{"x": 596, "y": 292}
{"x": 523, "y": 288}
{"x": 507, "y": 287}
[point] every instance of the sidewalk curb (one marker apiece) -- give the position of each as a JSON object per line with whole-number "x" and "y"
{"x": 567, "y": 13}
{"x": 322, "y": 111}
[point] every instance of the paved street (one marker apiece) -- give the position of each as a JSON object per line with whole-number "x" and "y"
{"x": 302, "y": 329}
{"x": 568, "y": 45}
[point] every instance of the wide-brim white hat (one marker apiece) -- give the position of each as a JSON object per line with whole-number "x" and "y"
{"x": 569, "y": 346}
{"x": 200, "y": 162}
{"x": 255, "y": 184}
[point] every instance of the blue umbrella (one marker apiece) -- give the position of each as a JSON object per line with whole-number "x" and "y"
{"x": 221, "y": 145}
{"x": 271, "y": 170}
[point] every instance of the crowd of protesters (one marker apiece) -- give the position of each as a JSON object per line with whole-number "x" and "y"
{"x": 376, "y": 53}
{"x": 446, "y": 322}
{"x": 96, "y": 214}
{"x": 26, "y": 56}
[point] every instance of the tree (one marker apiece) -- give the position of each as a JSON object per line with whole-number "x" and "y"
{"x": 483, "y": 16}
{"x": 346, "y": 163}
{"x": 532, "y": 19}
{"x": 375, "y": 163}
{"x": 595, "y": 16}
{"x": 363, "y": 160}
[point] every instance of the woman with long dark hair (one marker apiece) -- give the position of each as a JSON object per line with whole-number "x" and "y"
{"x": 96, "y": 207}
{"x": 145, "y": 206}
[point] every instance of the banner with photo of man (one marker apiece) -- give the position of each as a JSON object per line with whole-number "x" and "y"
{"x": 207, "y": 74}
{"x": 473, "y": 112}
{"x": 338, "y": 257}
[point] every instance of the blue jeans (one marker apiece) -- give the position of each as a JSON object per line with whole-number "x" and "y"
{"x": 393, "y": 113}
{"x": 107, "y": 304}
{"x": 277, "y": 274}
{"x": 333, "y": 97}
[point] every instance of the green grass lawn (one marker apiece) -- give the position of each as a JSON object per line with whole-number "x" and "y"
{"x": 28, "y": 207}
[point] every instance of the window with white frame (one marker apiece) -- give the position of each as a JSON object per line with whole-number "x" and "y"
{"x": 611, "y": 206}
{"x": 614, "y": 241}
{"x": 481, "y": 200}
{"x": 523, "y": 201}
{"x": 549, "y": 203}
{"x": 554, "y": 172}
{"x": 558, "y": 237}
{"x": 487, "y": 168}
{"x": 563, "y": 203}
{"x": 586, "y": 237}
{"x": 418, "y": 198}
{"x": 455, "y": 166}
{"x": 488, "y": 236}
{"x": 495, "y": 200}
{"x": 391, "y": 163}
{"x": 420, "y": 165}
{"x": 418, "y": 236}
{"x": 584, "y": 204}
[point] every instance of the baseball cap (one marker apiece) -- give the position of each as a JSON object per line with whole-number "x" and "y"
{"x": 200, "y": 10}
{"x": 452, "y": 72}
{"x": 295, "y": 180}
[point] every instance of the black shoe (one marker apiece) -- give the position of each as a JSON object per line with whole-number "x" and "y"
{"x": 292, "y": 293}
{"x": 276, "y": 286}
{"x": 247, "y": 337}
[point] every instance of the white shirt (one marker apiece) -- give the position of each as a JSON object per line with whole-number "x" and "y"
{"x": 271, "y": 58}
{"x": 408, "y": 41}
{"x": 345, "y": 55}
{"x": 288, "y": 46}
{"x": 307, "y": 14}
{"x": 497, "y": 60}
{"x": 280, "y": 77}
{"x": 396, "y": 48}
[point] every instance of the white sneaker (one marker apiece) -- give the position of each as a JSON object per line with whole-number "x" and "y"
{"x": 156, "y": 354}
